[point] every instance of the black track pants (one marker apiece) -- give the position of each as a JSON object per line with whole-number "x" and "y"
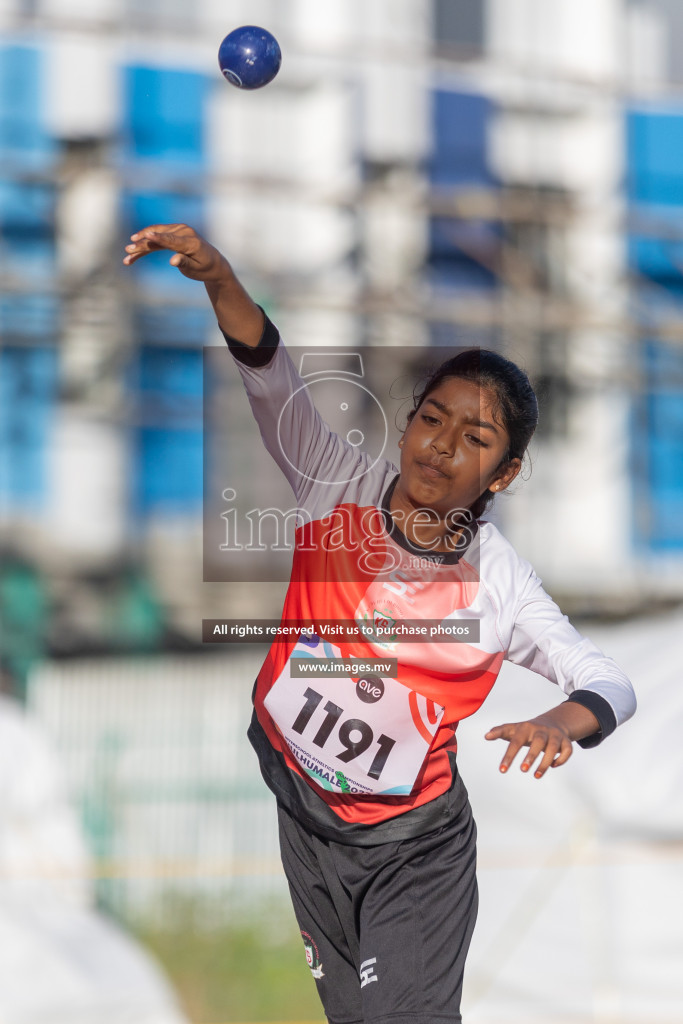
{"x": 386, "y": 928}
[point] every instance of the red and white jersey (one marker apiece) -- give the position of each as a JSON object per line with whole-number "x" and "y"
{"x": 370, "y": 746}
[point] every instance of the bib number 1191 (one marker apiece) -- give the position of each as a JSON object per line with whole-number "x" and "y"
{"x": 353, "y": 746}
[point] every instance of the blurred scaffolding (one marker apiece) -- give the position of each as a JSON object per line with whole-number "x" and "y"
{"x": 506, "y": 173}
{"x": 432, "y": 174}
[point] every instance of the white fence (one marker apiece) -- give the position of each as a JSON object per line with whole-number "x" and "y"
{"x": 157, "y": 760}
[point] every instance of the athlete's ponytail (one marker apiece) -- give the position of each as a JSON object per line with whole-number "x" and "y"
{"x": 515, "y": 406}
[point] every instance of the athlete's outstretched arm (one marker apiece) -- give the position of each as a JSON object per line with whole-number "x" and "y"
{"x": 600, "y": 696}
{"x": 236, "y": 312}
{"x": 550, "y": 734}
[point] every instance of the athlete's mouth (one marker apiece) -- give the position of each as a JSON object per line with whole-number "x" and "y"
{"x": 432, "y": 470}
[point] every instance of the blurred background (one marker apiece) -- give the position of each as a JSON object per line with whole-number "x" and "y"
{"x": 507, "y": 173}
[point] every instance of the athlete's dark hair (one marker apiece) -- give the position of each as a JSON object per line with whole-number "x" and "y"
{"x": 515, "y": 407}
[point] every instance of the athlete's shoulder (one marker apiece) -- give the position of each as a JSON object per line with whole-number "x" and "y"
{"x": 500, "y": 560}
{"x": 491, "y": 538}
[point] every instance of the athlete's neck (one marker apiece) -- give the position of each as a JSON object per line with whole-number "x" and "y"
{"x": 424, "y": 527}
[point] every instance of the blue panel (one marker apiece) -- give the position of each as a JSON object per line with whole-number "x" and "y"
{"x": 27, "y": 234}
{"x": 657, "y": 445}
{"x": 28, "y": 383}
{"x": 29, "y": 316}
{"x": 170, "y": 377}
{"x": 24, "y": 140}
{"x": 659, "y": 259}
{"x": 655, "y": 157}
{"x": 164, "y": 119}
{"x": 654, "y": 186}
{"x": 460, "y": 157}
{"x": 176, "y": 325}
{"x": 663, "y": 363}
{"x": 26, "y": 208}
{"x": 168, "y": 448}
{"x": 667, "y": 420}
{"x": 460, "y": 138}
{"x": 144, "y": 208}
{"x": 164, "y": 115}
{"x": 170, "y": 471}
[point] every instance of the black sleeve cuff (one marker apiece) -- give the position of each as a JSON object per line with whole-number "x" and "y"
{"x": 602, "y": 710}
{"x": 261, "y": 354}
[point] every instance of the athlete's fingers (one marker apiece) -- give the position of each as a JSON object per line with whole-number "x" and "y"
{"x": 539, "y": 742}
{"x": 548, "y": 760}
{"x": 136, "y": 252}
{"x": 505, "y": 732}
{"x": 152, "y": 239}
{"x": 177, "y": 237}
{"x": 550, "y": 752}
{"x": 163, "y": 229}
{"x": 517, "y": 739}
{"x": 502, "y": 732}
{"x": 566, "y": 751}
{"x": 543, "y": 735}
{"x": 168, "y": 236}
{"x": 495, "y": 734}
{"x": 142, "y": 245}
{"x": 192, "y": 255}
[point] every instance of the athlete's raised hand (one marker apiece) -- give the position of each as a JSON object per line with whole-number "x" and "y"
{"x": 548, "y": 736}
{"x": 192, "y": 255}
{"x": 236, "y": 312}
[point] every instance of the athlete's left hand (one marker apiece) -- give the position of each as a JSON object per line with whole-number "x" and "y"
{"x": 549, "y": 735}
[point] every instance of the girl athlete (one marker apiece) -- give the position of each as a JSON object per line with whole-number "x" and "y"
{"x": 376, "y": 831}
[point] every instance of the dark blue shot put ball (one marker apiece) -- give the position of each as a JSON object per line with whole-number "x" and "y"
{"x": 249, "y": 57}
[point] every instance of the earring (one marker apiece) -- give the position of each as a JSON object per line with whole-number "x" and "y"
{"x": 400, "y": 443}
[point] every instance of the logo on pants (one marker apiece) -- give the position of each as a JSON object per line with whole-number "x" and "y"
{"x": 367, "y": 972}
{"x": 312, "y": 956}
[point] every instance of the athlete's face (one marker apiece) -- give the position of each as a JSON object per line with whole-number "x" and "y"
{"x": 453, "y": 450}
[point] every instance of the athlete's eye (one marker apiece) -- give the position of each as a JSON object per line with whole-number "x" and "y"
{"x": 430, "y": 419}
{"x": 477, "y": 440}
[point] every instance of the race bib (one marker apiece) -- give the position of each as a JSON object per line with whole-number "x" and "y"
{"x": 365, "y": 734}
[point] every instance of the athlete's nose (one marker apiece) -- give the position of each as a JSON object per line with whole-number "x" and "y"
{"x": 444, "y": 442}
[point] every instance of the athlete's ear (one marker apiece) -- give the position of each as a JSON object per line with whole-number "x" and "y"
{"x": 503, "y": 478}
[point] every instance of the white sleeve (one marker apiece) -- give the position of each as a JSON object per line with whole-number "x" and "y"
{"x": 544, "y": 641}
